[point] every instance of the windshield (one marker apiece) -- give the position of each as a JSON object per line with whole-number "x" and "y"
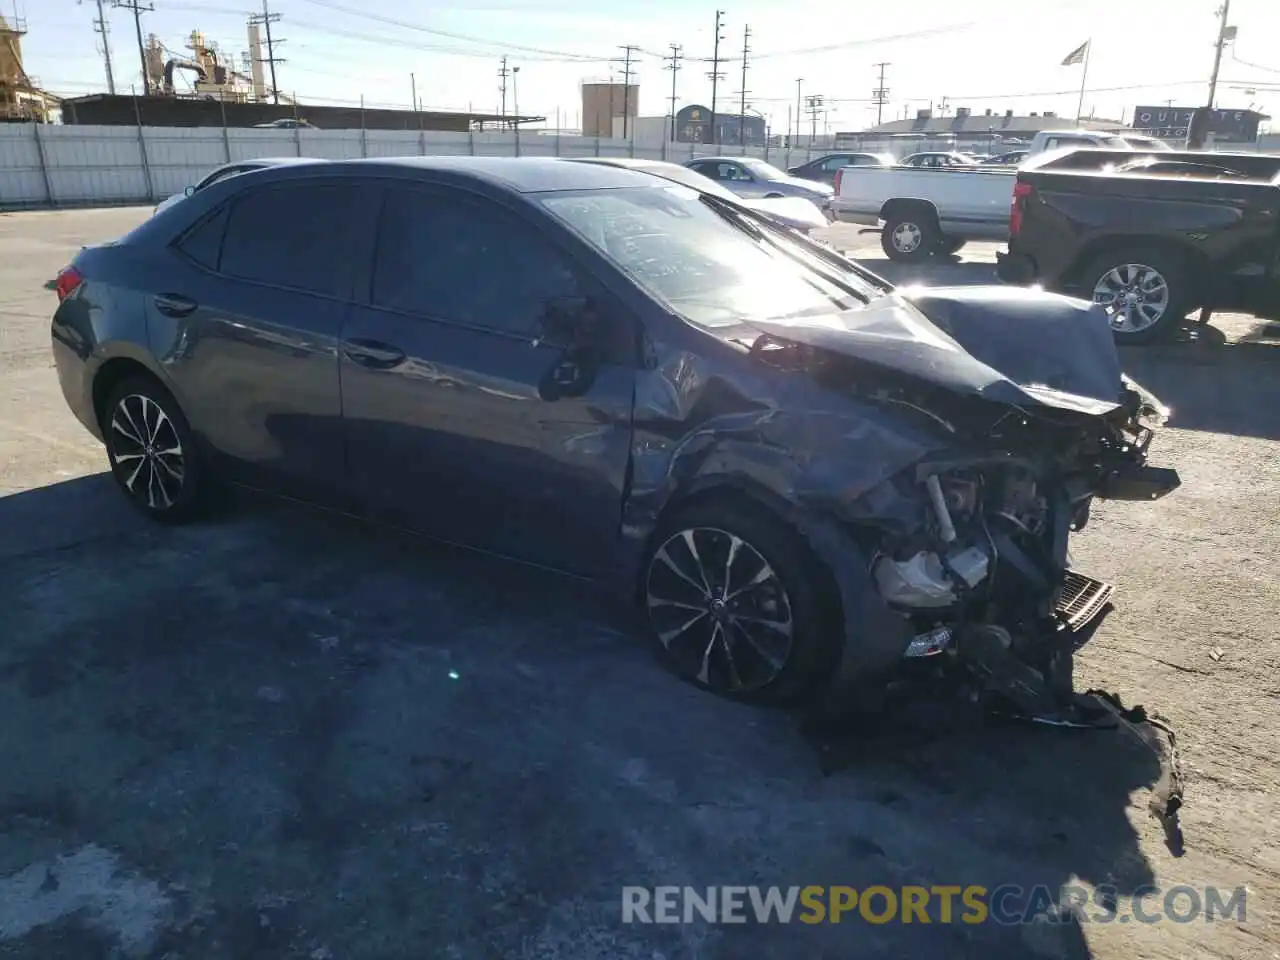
{"x": 761, "y": 170}
{"x": 705, "y": 262}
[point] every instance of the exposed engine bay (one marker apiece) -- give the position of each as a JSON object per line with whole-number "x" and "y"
{"x": 975, "y": 552}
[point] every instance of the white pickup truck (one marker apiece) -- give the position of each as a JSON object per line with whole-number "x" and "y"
{"x": 926, "y": 211}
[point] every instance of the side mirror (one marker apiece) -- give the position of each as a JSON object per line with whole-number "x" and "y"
{"x": 189, "y": 191}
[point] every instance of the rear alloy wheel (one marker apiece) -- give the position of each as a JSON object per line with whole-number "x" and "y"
{"x": 152, "y": 453}
{"x": 730, "y": 600}
{"x": 909, "y": 238}
{"x": 1146, "y": 294}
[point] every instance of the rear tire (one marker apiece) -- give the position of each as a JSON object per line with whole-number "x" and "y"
{"x": 152, "y": 452}
{"x": 909, "y": 237}
{"x": 734, "y": 605}
{"x": 1147, "y": 292}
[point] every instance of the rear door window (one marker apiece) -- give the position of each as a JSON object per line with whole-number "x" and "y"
{"x": 292, "y": 235}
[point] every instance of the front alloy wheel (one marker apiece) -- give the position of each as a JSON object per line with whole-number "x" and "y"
{"x": 720, "y": 610}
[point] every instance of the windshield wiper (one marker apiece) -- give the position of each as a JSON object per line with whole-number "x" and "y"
{"x": 743, "y": 219}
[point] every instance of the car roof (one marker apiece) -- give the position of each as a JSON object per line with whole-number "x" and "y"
{"x": 519, "y": 174}
{"x": 673, "y": 172}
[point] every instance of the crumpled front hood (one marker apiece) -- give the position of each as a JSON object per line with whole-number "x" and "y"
{"x": 1007, "y": 344}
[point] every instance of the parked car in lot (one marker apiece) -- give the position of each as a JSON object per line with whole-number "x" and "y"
{"x": 1150, "y": 239}
{"x": 749, "y": 177}
{"x": 1010, "y": 159}
{"x": 806, "y": 478}
{"x": 823, "y": 169}
{"x": 923, "y": 212}
{"x": 286, "y": 123}
{"x": 224, "y": 171}
{"x": 794, "y": 212}
{"x": 934, "y": 159}
{"x": 1046, "y": 140}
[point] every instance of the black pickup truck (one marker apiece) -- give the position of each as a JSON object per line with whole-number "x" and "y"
{"x": 1152, "y": 238}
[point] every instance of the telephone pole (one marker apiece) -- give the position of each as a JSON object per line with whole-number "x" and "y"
{"x": 799, "y": 113}
{"x": 503, "y": 73}
{"x": 673, "y": 64}
{"x": 627, "y": 52}
{"x": 880, "y": 95}
{"x": 265, "y": 19}
{"x": 138, "y": 9}
{"x": 100, "y": 26}
{"x": 813, "y": 104}
{"x": 742, "y": 103}
{"x": 715, "y": 74}
{"x": 1225, "y": 33}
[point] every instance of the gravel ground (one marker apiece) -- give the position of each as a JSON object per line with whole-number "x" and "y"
{"x": 286, "y": 735}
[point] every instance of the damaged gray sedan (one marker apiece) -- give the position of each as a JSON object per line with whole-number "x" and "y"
{"x": 810, "y": 481}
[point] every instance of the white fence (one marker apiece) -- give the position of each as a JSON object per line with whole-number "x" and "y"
{"x": 53, "y": 165}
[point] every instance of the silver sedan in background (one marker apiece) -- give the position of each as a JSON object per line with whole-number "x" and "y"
{"x": 749, "y": 177}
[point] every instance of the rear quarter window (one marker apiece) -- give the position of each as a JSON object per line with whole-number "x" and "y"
{"x": 292, "y": 235}
{"x": 203, "y": 242}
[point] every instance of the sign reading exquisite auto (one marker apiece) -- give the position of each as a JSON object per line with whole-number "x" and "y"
{"x": 1237, "y": 126}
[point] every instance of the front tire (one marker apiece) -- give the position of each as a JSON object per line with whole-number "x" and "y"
{"x": 734, "y": 606}
{"x": 909, "y": 238}
{"x": 1147, "y": 293}
{"x": 152, "y": 452}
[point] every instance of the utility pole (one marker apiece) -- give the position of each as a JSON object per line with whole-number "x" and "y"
{"x": 880, "y": 95}
{"x": 742, "y": 103}
{"x": 673, "y": 64}
{"x": 1223, "y": 32}
{"x": 137, "y": 9}
{"x": 266, "y": 19}
{"x": 503, "y": 73}
{"x": 799, "y": 113}
{"x": 813, "y": 103}
{"x": 100, "y": 26}
{"x": 413, "y": 91}
{"x": 627, "y": 53}
{"x": 715, "y": 73}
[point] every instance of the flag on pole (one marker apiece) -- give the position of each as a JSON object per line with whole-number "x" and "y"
{"x": 1077, "y": 55}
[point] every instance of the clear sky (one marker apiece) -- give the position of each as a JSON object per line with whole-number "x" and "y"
{"x": 980, "y": 54}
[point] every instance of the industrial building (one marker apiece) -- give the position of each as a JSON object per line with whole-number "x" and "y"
{"x": 693, "y": 125}
{"x": 21, "y": 101}
{"x": 609, "y": 109}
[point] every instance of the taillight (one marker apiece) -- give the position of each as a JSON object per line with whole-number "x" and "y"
{"x": 836, "y": 183}
{"x": 1021, "y": 193}
{"x": 68, "y": 282}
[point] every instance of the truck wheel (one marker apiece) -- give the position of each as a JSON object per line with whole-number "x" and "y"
{"x": 949, "y": 245}
{"x": 909, "y": 237}
{"x": 1147, "y": 293}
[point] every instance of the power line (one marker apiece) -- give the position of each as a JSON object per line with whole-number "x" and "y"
{"x": 266, "y": 19}
{"x": 467, "y": 38}
{"x": 138, "y": 10}
{"x": 674, "y": 66}
{"x": 742, "y": 104}
{"x": 880, "y": 95}
{"x": 715, "y": 74}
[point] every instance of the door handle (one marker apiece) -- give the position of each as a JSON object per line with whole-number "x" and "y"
{"x": 373, "y": 353}
{"x": 172, "y": 305}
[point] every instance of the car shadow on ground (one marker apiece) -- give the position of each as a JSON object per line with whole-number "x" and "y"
{"x": 1212, "y": 383}
{"x": 304, "y": 736}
